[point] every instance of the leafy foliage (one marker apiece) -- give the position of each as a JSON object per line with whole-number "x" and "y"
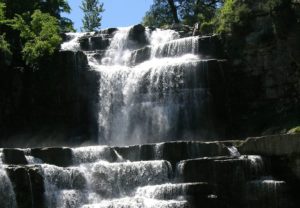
{"x": 158, "y": 15}
{"x": 232, "y": 16}
{"x": 41, "y": 35}
{"x": 4, "y": 45}
{"x": 92, "y": 10}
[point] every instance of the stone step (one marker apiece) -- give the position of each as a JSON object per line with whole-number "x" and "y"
{"x": 172, "y": 151}
{"x": 273, "y": 145}
{"x": 222, "y": 169}
{"x": 64, "y": 157}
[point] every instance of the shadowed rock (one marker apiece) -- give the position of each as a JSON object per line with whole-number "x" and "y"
{"x": 59, "y": 156}
{"x": 14, "y": 157}
{"x": 28, "y": 186}
{"x": 276, "y": 145}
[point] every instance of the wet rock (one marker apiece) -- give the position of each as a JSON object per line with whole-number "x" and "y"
{"x": 138, "y": 36}
{"x": 99, "y": 43}
{"x": 140, "y": 55}
{"x": 228, "y": 174}
{"x": 14, "y": 157}
{"x": 137, "y": 152}
{"x": 28, "y": 186}
{"x": 210, "y": 47}
{"x": 90, "y": 43}
{"x": 59, "y": 156}
{"x": 108, "y": 31}
{"x": 176, "y": 151}
{"x": 172, "y": 151}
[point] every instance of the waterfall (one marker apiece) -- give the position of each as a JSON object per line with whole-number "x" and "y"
{"x": 150, "y": 92}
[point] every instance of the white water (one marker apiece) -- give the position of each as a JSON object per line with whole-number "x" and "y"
{"x": 95, "y": 182}
{"x": 159, "y": 99}
{"x": 151, "y": 100}
{"x": 7, "y": 194}
{"x": 73, "y": 43}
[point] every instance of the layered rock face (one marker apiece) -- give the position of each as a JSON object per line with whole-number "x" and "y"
{"x": 173, "y": 174}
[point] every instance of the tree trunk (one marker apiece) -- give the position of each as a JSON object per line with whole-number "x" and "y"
{"x": 173, "y": 10}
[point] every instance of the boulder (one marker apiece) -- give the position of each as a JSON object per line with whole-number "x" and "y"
{"x": 138, "y": 36}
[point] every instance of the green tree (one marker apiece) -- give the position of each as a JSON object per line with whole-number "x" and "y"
{"x": 41, "y": 35}
{"x": 53, "y": 7}
{"x": 159, "y": 14}
{"x": 4, "y": 45}
{"x": 92, "y": 10}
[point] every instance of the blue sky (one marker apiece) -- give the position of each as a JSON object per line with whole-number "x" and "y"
{"x": 117, "y": 12}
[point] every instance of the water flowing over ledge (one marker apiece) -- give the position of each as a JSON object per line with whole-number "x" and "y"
{"x": 153, "y": 85}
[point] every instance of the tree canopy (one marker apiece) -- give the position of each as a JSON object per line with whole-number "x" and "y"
{"x": 189, "y": 11}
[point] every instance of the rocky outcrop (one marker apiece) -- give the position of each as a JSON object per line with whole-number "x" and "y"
{"x": 274, "y": 145}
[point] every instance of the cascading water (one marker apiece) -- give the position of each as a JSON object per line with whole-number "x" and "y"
{"x": 95, "y": 182}
{"x": 162, "y": 98}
